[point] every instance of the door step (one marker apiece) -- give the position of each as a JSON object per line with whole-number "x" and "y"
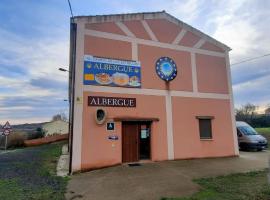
{"x": 134, "y": 164}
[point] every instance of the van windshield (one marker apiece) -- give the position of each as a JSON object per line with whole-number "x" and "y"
{"x": 247, "y": 130}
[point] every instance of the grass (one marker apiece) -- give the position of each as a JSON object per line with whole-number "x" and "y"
{"x": 241, "y": 186}
{"x": 30, "y": 173}
{"x": 265, "y": 130}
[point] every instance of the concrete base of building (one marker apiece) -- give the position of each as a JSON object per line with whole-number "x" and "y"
{"x": 63, "y": 162}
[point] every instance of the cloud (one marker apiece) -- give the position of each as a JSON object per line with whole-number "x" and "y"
{"x": 15, "y": 108}
{"x": 39, "y": 57}
{"x": 49, "y": 83}
{"x": 30, "y": 81}
{"x": 256, "y": 92}
{"x": 25, "y": 108}
{"x": 242, "y": 25}
{"x": 251, "y": 71}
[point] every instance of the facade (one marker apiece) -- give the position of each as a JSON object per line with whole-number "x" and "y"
{"x": 57, "y": 127}
{"x": 147, "y": 86}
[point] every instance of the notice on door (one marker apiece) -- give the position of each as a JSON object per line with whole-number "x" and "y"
{"x": 111, "y": 101}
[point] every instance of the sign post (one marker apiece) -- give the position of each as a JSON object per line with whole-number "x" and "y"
{"x": 6, "y": 131}
{"x": 6, "y": 143}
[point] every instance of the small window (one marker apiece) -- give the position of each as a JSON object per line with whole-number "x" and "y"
{"x": 205, "y": 127}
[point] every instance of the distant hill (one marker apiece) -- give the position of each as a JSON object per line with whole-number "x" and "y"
{"x": 27, "y": 127}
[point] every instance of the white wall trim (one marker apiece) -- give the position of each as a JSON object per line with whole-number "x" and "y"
{"x": 154, "y": 92}
{"x": 199, "y": 44}
{"x": 113, "y": 36}
{"x": 125, "y": 29}
{"x": 194, "y": 72}
{"x": 169, "y": 126}
{"x": 78, "y": 107}
{"x": 236, "y": 147}
{"x": 148, "y": 30}
{"x": 179, "y": 37}
{"x": 134, "y": 51}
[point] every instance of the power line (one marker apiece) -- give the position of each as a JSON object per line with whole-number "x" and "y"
{"x": 70, "y": 8}
{"x": 250, "y": 59}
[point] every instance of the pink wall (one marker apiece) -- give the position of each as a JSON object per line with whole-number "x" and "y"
{"x": 136, "y": 27}
{"x": 189, "y": 39}
{"x": 149, "y": 55}
{"x": 109, "y": 27}
{"x": 211, "y": 74}
{"x": 211, "y": 47}
{"x": 187, "y": 143}
{"x": 164, "y": 30}
{"x": 107, "y": 48}
{"x": 97, "y": 150}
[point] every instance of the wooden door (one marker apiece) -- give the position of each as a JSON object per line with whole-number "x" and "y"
{"x": 130, "y": 138}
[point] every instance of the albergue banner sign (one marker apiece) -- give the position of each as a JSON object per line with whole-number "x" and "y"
{"x": 111, "y": 101}
{"x": 110, "y": 72}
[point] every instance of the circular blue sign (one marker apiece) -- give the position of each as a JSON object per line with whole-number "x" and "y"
{"x": 166, "y": 68}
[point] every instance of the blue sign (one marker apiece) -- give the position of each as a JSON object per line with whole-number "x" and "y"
{"x": 166, "y": 69}
{"x": 110, "y": 72}
{"x": 110, "y": 126}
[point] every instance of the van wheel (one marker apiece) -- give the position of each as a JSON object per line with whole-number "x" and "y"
{"x": 259, "y": 149}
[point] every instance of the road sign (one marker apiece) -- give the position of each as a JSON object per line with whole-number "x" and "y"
{"x": 6, "y": 132}
{"x": 7, "y": 126}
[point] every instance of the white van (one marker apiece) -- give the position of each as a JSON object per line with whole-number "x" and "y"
{"x": 248, "y": 138}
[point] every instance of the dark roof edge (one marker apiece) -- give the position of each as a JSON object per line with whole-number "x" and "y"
{"x": 150, "y": 15}
{"x": 117, "y": 15}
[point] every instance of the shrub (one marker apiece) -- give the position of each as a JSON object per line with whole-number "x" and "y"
{"x": 40, "y": 133}
{"x": 15, "y": 139}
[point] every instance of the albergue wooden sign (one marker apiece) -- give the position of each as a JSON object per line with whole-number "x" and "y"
{"x": 111, "y": 101}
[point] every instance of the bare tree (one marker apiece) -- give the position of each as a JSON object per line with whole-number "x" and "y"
{"x": 59, "y": 116}
{"x": 246, "y": 113}
{"x": 267, "y": 109}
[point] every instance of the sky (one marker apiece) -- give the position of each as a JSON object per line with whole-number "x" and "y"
{"x": 34, "y": 43}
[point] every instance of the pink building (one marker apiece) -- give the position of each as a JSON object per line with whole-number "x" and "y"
{"x": 147, "y": 86}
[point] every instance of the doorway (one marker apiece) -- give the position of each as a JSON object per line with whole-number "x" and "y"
{"x": 136, "y": 141}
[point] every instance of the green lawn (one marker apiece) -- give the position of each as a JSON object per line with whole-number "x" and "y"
{"x": 30, "y": 173}
{"x": 263, "y": 130}
{"x": 242, "y": 186}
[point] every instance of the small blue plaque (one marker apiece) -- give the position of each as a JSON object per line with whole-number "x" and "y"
{"x": 166, "y": 69}
{"x": 110, "y": 126}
